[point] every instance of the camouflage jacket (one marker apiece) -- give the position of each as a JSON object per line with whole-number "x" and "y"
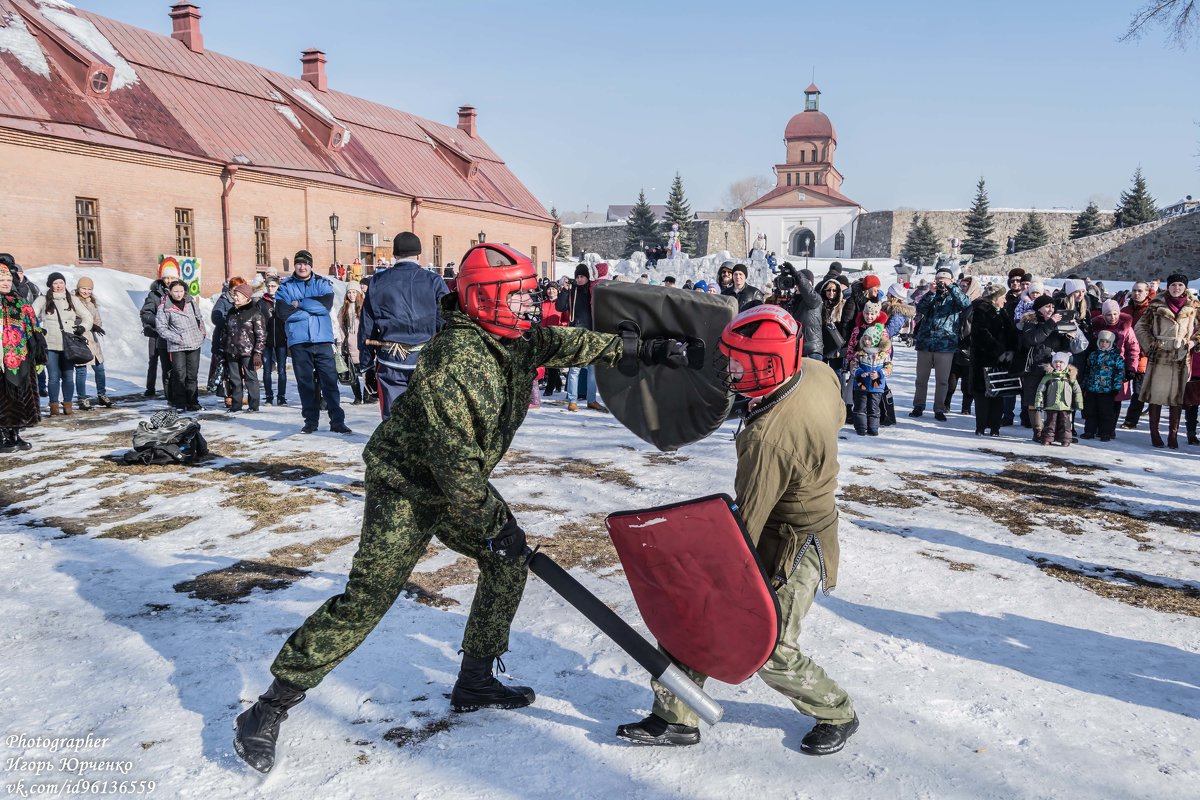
{"x": 467, "y": 397}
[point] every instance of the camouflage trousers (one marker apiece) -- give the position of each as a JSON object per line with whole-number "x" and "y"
{"x": 395, "y": 532}
{"x": 788, "y": 671}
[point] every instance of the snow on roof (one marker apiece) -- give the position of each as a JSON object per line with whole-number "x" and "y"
{"x": 54, "y": 3}
{"x": 84, "y": 32}
{"x": 15, "y": 38}
{"x": 316, "y": 106}
{"x": 290, "y": 115}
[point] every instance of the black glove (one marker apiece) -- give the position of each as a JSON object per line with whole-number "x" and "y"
{"x": 1005, "y": 358}
{"x": 77, "y": 330}
{"x": 667, "y": 352}
{"x": 96, "y": 329}
{"x": 510, "y": 541}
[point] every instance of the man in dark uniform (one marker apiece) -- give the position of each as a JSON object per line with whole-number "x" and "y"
{"x": 399, "y": 315}
{"x": 427, "y": 469}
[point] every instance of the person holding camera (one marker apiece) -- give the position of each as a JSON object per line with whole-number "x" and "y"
{"x": 936, "y": 340}
{"x": 59, "y": 314}
{"x": 1044, "y": 332}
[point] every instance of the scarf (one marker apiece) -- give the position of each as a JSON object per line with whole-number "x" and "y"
{"x": 17, "y": 326}
{"x": 1176, "y": 304}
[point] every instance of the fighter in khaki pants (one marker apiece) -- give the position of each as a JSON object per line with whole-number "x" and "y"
{"x": 786, "y": 478}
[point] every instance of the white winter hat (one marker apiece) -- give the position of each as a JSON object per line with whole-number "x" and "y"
{"x": 1073, "y": 285}
{"x": 897, "y": 290}
{"x": 1060, "y": 358}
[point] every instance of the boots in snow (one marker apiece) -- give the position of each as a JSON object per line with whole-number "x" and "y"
{"x": 55, "y": 409}
{"x": 1193, "y": 416}
{"x": 257, "y": 728}
{"x": 7, "y": 445}
{"x": 655, "y": 730}
{"x": 1173, "y": 415}
{"x": 103, "y": 400}
{"x": 85, "y": 404}
{"x": 68, "y": 408}
{"x": 825, "y": 739}
{"x": 477, "y": 688}
{"x": 1155, "y": 417}
{"x": 17, "y": 441}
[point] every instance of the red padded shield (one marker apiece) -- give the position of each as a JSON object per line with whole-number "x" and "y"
{"x": 699, "y": 585}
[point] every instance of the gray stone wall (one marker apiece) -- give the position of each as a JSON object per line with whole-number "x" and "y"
{"x": 1155, "y": 249}
{"x": 608, "y": 240}
{"x": 881, "y": 234}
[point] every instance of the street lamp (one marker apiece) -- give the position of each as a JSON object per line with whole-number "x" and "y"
{"x": 333, "y": 226}
{"x": 482, "y": 237}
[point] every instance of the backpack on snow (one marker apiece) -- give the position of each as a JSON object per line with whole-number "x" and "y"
{"x": 167, "y": 438}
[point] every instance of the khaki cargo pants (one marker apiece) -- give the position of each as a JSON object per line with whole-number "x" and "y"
{"x": 788, "y": 671}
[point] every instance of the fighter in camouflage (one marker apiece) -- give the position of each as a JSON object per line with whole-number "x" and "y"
{"x": 427, "y": 470}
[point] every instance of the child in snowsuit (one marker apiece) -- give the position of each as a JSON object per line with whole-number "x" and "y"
{"x": 1106, "y": 373}
{"x": 1058, "y": 394}
{"x": 870, "y": 367}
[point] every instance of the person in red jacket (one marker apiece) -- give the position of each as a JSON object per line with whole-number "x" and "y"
{"x": 552, "y": 317}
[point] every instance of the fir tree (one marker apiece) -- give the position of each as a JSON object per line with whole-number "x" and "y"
{"x": 1031, "y": 234}
{"x": 1136, "y": 206}
{"x": 979, "y": 227}
{"x": 679, "y": 212}
{"x": 1089, "y": 223}
{"x": 921, "y": 246}
{"x": 642, "y": 231}
{"x": 562, "y": 250}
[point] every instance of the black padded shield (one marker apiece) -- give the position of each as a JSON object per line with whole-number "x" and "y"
{"x": 667, "y": 407}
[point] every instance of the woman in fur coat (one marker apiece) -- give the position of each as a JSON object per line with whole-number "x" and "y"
{"x": 1167, "y": 335}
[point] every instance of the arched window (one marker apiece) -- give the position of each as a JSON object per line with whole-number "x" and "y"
{"x": 839, "y": 242}
{"x": 802, "y": 243}
{"x": 789, "y": 179}
{"x": 803, "y": 155}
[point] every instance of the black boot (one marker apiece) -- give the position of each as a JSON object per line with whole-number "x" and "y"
{"x": 477, "y": 688}
{"x": 17, "y": 441}
{"x": 258, "y": 726}
{"x": 1192, "y": 415}
{"x": 657, "y": 731}
{"x": 7, "y": 445}
{"x": 825, "y": 739}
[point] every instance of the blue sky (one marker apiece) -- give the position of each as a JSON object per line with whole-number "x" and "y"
{"x": 590, "y": 102}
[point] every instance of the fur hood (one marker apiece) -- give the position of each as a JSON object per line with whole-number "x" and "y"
{"x": 895, "y": 306}
{"x": 1072, "y": 372}
{"x": 1124, "y": 324}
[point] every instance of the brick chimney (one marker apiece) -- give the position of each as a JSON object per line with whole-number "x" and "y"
{"x": 466, "y": 120}
{"x": 185, "y": 26}
{"x": 313, "y": 61}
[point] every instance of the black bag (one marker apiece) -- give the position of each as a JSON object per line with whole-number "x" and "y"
{"x": 167, "y": 438}
{"x": 887, "y": 408}
{"x": 75, "y": 347}
{"x": 1001, "y": 383}
{"x": 833, "y": 337}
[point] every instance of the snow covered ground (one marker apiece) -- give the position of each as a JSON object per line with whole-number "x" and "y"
{"x": 986, "y": 621}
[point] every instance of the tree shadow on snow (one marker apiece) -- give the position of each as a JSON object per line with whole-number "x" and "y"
{"x": 1143, "y": 673}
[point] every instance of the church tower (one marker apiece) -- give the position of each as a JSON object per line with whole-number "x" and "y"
{"x": 811, "y": 143}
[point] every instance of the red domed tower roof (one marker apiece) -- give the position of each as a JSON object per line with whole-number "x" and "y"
{"x": 809, "y": 124}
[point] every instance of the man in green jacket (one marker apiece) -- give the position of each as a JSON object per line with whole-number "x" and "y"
{"x": 786, "y": 479}
{"x": 427, "y": 469}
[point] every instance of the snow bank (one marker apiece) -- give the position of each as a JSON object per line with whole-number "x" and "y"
{"x": 15, "y": 38}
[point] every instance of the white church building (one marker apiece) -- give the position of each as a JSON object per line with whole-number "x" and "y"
{"x": 806, "y": 215}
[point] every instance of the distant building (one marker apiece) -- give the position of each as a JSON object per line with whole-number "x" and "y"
{"x": 1185, "y": 206}
{"x": 119, "y": 145}
{"x": 806, "y": 214}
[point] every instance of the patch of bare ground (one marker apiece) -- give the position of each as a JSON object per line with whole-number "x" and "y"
{"x": 426, "y": 587}
{"x": 859, "y": 469}
{"x": 263, "y": 502}
{"x": 580, "y": 543}
{"x": 664, "y": 459}
{"x": 522, "y": 462}
{"x": 957, "y": 566}
{"x": 147, "y": 528}
{"x": 1121, "y": 482}
{"x": 1072, "y": 467}
{"x": 282, "y": 567}
{"x": 404, "y": 737}
{"x": 869, "y": 495}
{"x": 1188, "y": 521}
{"x": 1128, "y": 588}
{"x": 533, "y": 508}
{"x": 70, "y": 526}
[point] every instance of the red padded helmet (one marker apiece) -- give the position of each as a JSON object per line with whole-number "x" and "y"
{"x": 764, "y": 346}
{"x": 487, "y": 276}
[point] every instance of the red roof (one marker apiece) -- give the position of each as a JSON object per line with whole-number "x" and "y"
{"x": 825, "y": 192}
{"x": 809, "y": 125}
{"x": 211, "y": 107}
{"x": 812, "y": 87}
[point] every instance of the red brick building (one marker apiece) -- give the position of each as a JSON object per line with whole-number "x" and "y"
{"x": 118, "y": 144}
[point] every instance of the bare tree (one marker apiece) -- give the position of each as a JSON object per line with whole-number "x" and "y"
{"x": 745, "y": 191}
{"x": 1179, "y": 17}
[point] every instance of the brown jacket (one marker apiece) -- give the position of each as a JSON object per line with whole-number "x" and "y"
{"x": 1167, "y": 339}
{"x": 787, "y": 473}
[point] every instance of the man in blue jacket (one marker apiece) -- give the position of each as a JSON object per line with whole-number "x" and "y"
{"x": 399, "y": 316}
{"x": 939, "y": 314}
{"x": 304, "y": 302}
